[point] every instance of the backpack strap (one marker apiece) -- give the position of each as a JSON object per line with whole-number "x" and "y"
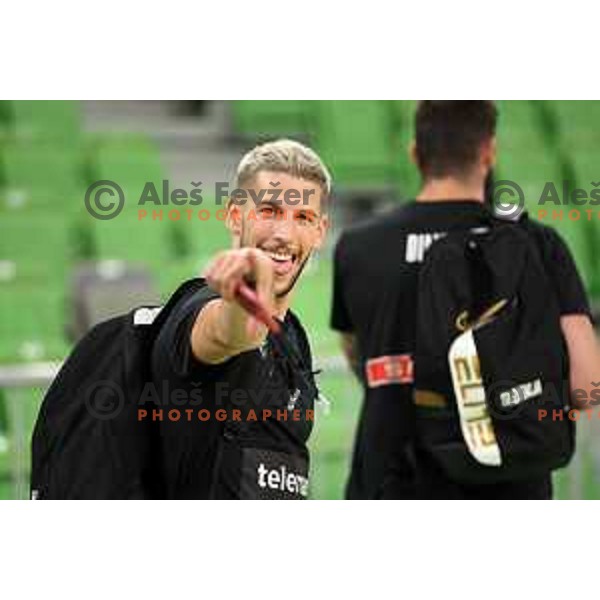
{"x": 191, "y": 285}
{"x": 480, "y": 275}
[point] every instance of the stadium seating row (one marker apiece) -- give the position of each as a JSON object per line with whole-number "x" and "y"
{"x": 32, "y": 119}
{"x": 359, "y": 141}
{"x": 47, "y": 165}
{"x": 538, "y": 144}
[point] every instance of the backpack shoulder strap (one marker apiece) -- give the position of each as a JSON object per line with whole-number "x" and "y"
{"x": 147, "y": 320}
{"x": 302, "y": 340}
{"x": 161, "y": 314}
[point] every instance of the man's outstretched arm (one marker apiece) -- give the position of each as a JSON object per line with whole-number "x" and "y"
{"x": 223, "y": 328}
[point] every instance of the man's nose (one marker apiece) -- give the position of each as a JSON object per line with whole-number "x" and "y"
{"x": 284, "y": 226}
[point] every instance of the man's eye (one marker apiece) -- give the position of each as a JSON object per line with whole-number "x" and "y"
{"x": 305, "y": 218}
{"x": 267, "y": 211}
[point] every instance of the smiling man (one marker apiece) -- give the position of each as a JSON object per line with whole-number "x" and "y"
{"x": 247, "y": 436}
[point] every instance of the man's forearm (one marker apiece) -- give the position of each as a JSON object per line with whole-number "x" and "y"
{"x": 221, "y": 331}
{"x": 350, "y": 350}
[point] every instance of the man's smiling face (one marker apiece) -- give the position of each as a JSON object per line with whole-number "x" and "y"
{"x": 287, "y": 229}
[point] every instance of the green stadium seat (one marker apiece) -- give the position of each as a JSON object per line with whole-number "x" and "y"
{"x": 526, "y": 157}
{"x": 34, "y": 247}
{"x": 520, "y": 134}
{"x": 176, "y": 272}
{"x": 579, "y": 142}
{"x": 31, "y": 322}
{"x": 15, "y": 200}
{"x": 196, "y": 242}
{"x": 6, "y": 486}
{"x": 50, "y": 173}
{"x": 126, "y": 238}
{"x": 523, "y": 155}
{"x": 405, "y": 172}
{"x": 532, "y": 173}
{"x": 203, "y": 238}
{"x": 5, "y": 119}
{"x": 518, "y": 112}
{"x": 547, "y": 121}
{"x": 587, "y": 172}
{"x": 271, "y": 118}
{"x": 354, "y": 140}
{"x": 577, "y": 120}
{"x": 55, "y": 119}
{"x": 402, "y": 113}
{"x": 129, "y": 161}
{"x": 530, "y": 169}
{"x": 36, "y": 252}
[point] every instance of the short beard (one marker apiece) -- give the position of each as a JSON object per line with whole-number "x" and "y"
{"x": 289, "y": 288}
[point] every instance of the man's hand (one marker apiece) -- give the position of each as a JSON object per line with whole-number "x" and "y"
{"x": 232, "y": 267}
{"x": 223, "y": 328}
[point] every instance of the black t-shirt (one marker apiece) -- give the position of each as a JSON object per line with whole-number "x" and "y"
{"x": 375, "y": 298}
{"x": 238, "y": 429}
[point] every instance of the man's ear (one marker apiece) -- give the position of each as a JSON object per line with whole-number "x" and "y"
{"x": 412, "y": 153}
{"x": 322, "y": 232}
{"x": 488, "y": 154}
{"x": 233, "y": 220}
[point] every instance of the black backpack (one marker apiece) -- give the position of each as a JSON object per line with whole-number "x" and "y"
{"x": 489, "y": 357}
{"x": 88, "y": 442}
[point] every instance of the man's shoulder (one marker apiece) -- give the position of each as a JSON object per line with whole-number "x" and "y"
{"x": 175, "y": 321}
{"x": 545, "y": 235}
{"x": 189, "y": 295}
{"x": 377, "y": 226}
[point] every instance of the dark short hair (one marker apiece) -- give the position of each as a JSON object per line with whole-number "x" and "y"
{"x": 449, "y": 134}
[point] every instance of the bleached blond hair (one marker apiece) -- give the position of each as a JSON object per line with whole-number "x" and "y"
{"x": 284, "y": 156}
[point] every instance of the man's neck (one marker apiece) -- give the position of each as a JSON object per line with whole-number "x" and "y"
{"x": 282, "y": 304}
{"x": 451, "y": 189}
